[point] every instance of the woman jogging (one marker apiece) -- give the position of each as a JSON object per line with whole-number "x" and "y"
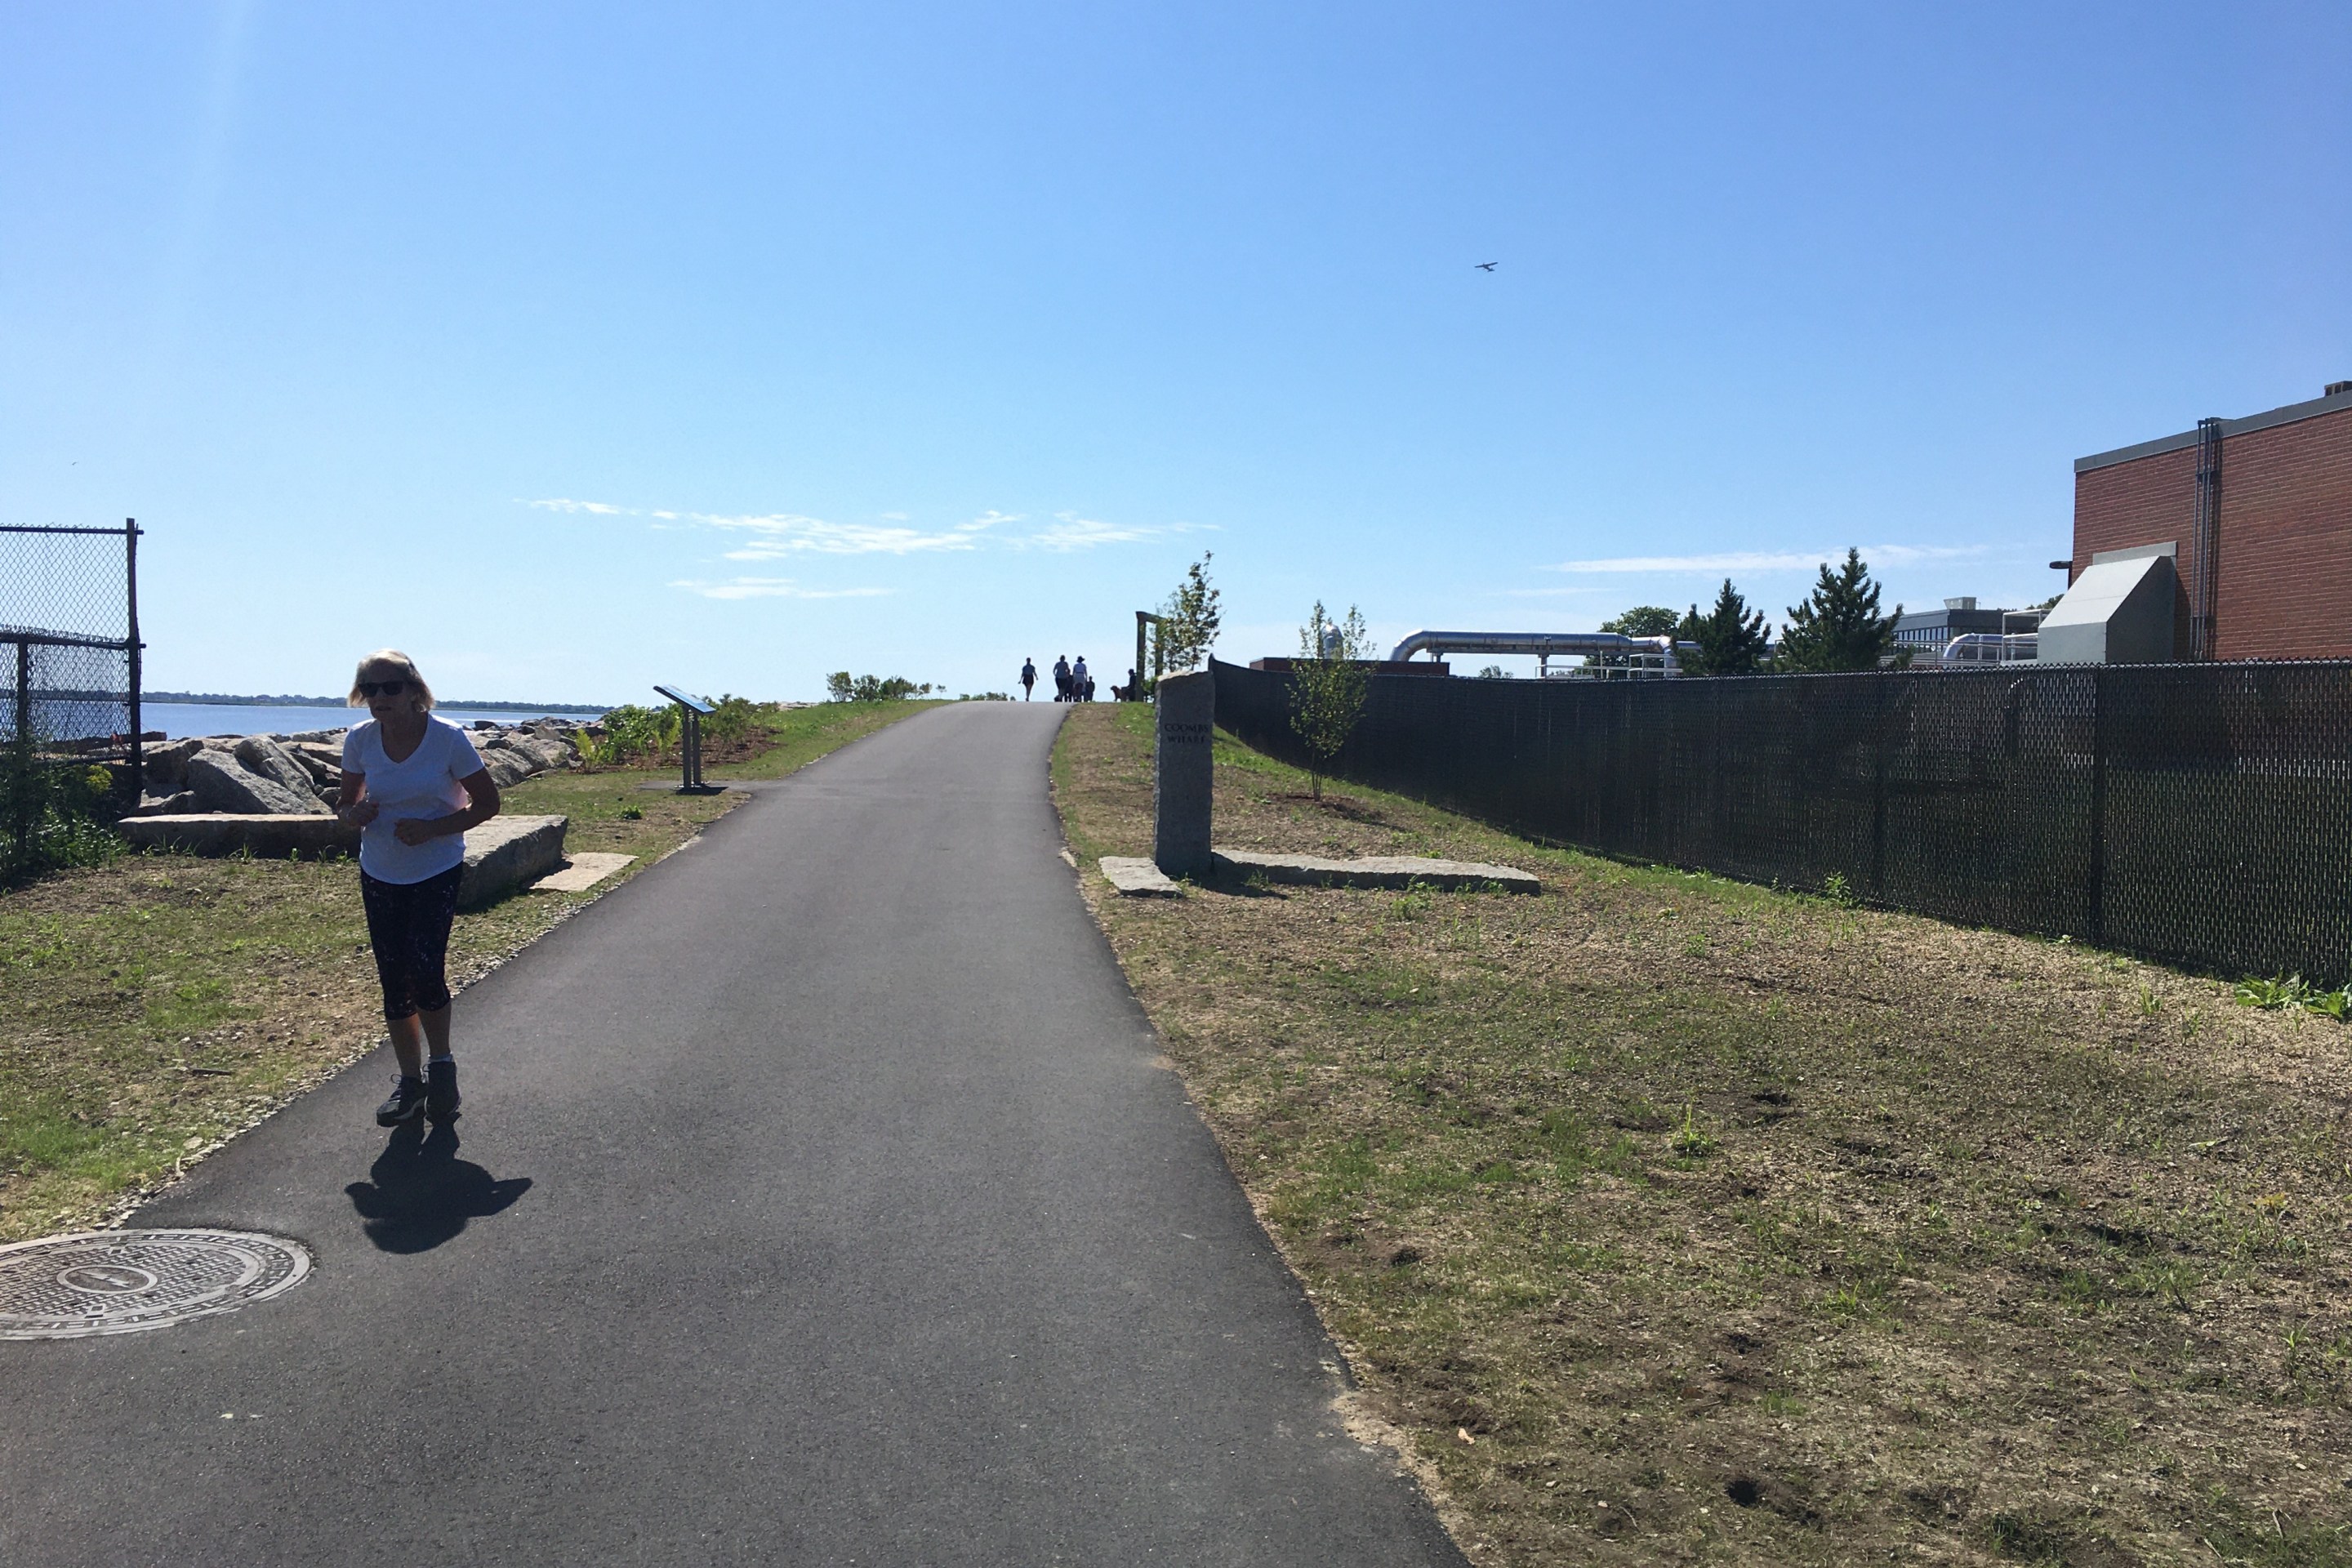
{"x": 413, "y": 783}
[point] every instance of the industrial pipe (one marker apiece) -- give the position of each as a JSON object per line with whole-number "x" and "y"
{"x": 1545, "y": 645}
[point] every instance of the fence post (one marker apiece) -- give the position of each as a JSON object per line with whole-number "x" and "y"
{"x": 22, "y": 794}
{"x": 1878, "y": 791}
{"x": 131, "y": 641}
{"x": 2098, "y": 900}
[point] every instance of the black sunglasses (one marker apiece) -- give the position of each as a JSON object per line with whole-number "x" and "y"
{"x": 382, "y": 687}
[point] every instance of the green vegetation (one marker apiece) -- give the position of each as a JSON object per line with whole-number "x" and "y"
{"x": 1839, "y": 627}
{"x": 1664, "y": 1217}
{"x": 842, "y": 686}
{"x": 1327, "y": 683}
{"x": 160, "y": 1004}
{"x": 1643, "y": 621}
{"x": 1188, "y": 621}
{"x": 54, "y": 813}
{"x": 2292, "y": 991}
{"x": 1731, "y": 639}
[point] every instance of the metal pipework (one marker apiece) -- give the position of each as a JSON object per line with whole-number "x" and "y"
{"x": 1545, "y": 645}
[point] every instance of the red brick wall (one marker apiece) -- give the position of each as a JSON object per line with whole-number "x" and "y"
{"x": 2286, "y": 543}
{"x": 2148, "y": 500}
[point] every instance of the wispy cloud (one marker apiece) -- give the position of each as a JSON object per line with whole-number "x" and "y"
{"x": 600, "y": 509}
{"x": 771, "y": 588}
{"x": 1070, "y": 531}
{"x": 778, "y": 536}
{"x": 1767, "y": 560}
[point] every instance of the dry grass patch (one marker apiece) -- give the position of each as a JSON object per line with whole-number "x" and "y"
{"x": 160, "y": 1004}
{"x": 1678, "y": 1219}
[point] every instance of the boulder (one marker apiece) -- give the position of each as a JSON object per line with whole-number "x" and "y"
{"x": 548, "y": 751}
{"x": 169, "y": 764}
{"x": 263, "y": 755}
{"x": 507, "y": 767}
{"x": 222, "y": 784}
{"x": 173, "y": 805}
{"x": 506, "y": 854}
{"x": 324, "y": 763}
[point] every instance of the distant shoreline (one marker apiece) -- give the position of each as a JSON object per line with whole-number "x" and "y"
{"x": 215, "y": 699}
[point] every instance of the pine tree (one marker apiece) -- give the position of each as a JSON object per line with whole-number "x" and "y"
{"x": 1731, "y": 640}
{"x": 1839, "y": 627}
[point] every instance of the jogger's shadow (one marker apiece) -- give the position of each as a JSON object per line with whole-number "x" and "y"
{"x": 422, "y": 1194}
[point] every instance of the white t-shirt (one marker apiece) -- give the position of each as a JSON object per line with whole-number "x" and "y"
{"x": 421, "y": 784}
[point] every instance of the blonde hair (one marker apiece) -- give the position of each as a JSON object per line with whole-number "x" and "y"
{"x": 391, "y": 658}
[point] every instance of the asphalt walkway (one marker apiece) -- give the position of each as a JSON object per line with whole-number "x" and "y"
{"x": 818, "y": 1200}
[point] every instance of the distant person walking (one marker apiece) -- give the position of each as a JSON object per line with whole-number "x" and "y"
{"x": 1081, "y": 689}
{"x": 1061, "y": 678}
{"x": 413, "y": 783}
{"x": 1028, "y": 679}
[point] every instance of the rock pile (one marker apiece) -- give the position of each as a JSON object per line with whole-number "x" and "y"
{"x": 295, "y": 775}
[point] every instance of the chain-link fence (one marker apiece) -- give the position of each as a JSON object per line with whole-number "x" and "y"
{"x": 69, "y": 743}
{"x": 2200, "y": 813}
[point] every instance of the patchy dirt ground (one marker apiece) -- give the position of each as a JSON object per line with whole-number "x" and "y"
{"x": 1675, "y": 1219}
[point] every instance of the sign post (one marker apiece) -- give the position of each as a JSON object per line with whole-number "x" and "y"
{"x": 690, "y": 710}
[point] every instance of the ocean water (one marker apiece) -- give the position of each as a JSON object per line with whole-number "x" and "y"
{"x": 178, "y": 719}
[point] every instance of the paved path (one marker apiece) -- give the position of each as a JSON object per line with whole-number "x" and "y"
{"x": 819, "y": 1201}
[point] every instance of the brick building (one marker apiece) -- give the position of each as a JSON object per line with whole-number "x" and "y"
{"x": 2256, "y": 515}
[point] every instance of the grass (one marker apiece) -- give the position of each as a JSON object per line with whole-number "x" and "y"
{"x": 159, "y": 1005}
{"x": 1669, "y": 1218}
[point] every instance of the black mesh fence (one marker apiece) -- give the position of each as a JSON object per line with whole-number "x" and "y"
{"x": 69, "y": 747}
{"x": 2200, "y": 813}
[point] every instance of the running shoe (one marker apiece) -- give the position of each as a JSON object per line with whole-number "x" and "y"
{"x": 406, "y": 1104}
{"x": 441, "y": 1090}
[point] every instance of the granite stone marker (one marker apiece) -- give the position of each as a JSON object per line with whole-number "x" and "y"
{"x": 1182, "y": 773}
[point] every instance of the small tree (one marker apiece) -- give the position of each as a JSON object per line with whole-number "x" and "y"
{"x": 1327, "y": 682}
{"x": 1188, "y": 621}
{"x": 1731, "y": 640}
{"x": 1839, "y": 627}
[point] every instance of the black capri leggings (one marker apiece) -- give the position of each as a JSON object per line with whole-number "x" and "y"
{"x": 408, "y": 925}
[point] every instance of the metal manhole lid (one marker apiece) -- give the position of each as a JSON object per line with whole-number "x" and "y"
{"x": 122, "y": 1282}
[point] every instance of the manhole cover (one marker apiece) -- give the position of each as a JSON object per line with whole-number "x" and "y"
{"x": 120, "y": 1281}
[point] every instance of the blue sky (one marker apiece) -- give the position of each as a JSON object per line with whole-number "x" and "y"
{"x": 578, "y": 347}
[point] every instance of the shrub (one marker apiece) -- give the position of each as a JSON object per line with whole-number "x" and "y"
{"x": 842, "y": 686}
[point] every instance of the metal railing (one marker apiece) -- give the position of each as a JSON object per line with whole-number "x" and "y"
{"x": 2199, "y": 813}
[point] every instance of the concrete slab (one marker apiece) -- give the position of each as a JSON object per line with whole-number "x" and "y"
{"x": 580, "y": 872}
{"x": 1377, "y": 871}
{"x": 502, "y": 855}
{"x": 266, "y": 837}
{"x": 1138, "y": 877}
{"x": 506, "y": 854}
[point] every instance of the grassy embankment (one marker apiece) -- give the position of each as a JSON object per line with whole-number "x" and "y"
{"x": 1677, "y": 1219}
{"x": 161, "y": 1004}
